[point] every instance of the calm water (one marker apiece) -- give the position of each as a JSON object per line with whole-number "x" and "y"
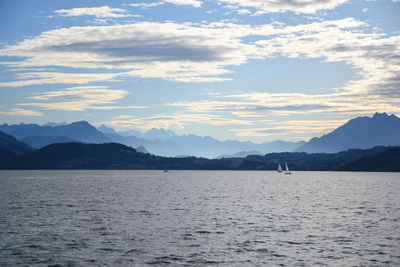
{"x": 122, "y": 218}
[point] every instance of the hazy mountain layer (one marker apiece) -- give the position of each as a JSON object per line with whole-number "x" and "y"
{"x": 81, "y": 131}
{"x": 361, "y": 132}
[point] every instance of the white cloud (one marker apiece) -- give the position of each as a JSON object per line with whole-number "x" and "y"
{"x": 243, "y": 11}
{"x": 203, "y": 52}
{"x": 375, "y": 55}
{"x": 259, "y": 104}
{"x": 272, "y": 6}
{"x": 289, "y": 129}
{"x": 170, "y": 51}
{"x": 21, "y": 112}
{"x": 194, "y": 3}
{"x": 147, "y": 5}
{"x": 174, "y": 121}
{"x": 255, "y": 107}
{"x": 79, "y": 98}
{"x": 36, "y": 78}
{"x": 98, "y": 12}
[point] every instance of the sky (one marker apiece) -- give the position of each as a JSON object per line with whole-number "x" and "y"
{"x": 257, "y": 70}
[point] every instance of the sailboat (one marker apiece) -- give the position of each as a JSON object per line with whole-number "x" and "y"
{"x": 279, "y": 168}
{"x": 287, "y": 169}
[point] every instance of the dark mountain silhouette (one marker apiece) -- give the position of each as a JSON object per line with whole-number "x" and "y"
{"x": 361, "y": 132}
{"x": 42, "y": 141}
{"x": 97, "y": 156}
{"x": 388, "y": 160}
{"x": 10, "y": 143}
{"x": 77, "y": 156}
{"x": 117, "y": 156}
{"x": 310, "y": 161}
{"x": 81, "y": 131}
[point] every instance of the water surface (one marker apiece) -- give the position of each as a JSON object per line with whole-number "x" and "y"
{"x": 239, "y": 218}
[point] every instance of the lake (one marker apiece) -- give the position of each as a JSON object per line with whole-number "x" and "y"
{"x": 235, "y": 218}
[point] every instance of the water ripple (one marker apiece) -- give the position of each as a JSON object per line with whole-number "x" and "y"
{"x": 125, "y": 218}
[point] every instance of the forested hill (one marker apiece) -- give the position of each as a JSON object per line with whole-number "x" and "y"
{"x": 117, "y": 156}
{"x": 388, "y": 160}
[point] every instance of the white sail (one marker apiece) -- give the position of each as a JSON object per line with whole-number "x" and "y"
{"x": 279, "y": 168}
{"x": 287, "y": 169}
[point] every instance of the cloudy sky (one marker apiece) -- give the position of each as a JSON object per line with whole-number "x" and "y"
{"x": 256, "y": 70}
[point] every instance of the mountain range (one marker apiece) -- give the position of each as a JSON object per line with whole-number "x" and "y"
{"x": 359, "y": 133}
{"x": 155, "y": 141}
{"x": 80, "y": 131}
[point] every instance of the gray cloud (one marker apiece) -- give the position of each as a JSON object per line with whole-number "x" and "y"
{"x": 149, "y": 48}
{"x": 271, "y": 6}
{"x": 201, "y": 53}
{"x": 163, "y": 50}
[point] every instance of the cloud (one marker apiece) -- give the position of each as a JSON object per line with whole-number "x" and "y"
{"x": 194, "y": 3}
{"x": 174, "y": 121}
{"x": 204, "y": 52}
{"x": 255, "y": 107}
{"x": 373, "y": 54}
{"x": 36, "y": 78}
{"x": 290, "y": 128}
{"x": 98, "y": 12}
{"x": 259, "y": 104}
{"x": 21, "y": 112}
{"x": 147, "y": 5}
{"x": 273, "y": 6}
{"x": 171, "y": 51}
{"x": 79, "y": 98}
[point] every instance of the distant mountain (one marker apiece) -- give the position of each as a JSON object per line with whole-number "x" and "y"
{"x": 10, "y": 143}
{"x": 211, "y": 148}
{"x": 52, "y": 124}
{"x": 131, "y": 133}
{"x": 42, "y": 141}
{"x": 156, "y": 147}
{"x": 159, "y": 134}
{"x": 142, "y": 149}
{"x": 81, "y": 131}
{"x": 195, "y": 145}
{"x": 106, "y": 130}
{"x": 156, "y": 141}
{"x": 361, "y": 132}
